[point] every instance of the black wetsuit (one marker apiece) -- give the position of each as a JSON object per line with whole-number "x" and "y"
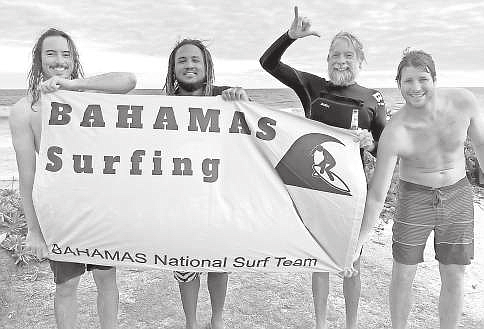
{"x": 320, "y": 98}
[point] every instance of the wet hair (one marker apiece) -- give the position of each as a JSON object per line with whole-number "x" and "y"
{"x": 171, "y": 83}
{"x": 354, "y": 41}
{"x": 36, "y": 75}
{"x": 416, "y": 58}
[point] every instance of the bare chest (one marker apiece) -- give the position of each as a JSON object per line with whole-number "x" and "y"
{"x": 442, "y": 138}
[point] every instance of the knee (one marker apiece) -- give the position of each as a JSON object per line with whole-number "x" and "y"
{"x": 105, "y": 279}
{"x": 403, "y": 272}
{"x": 67, "y": 288}
{"x": 452, "y": 277}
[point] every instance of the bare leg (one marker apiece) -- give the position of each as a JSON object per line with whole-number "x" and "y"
{"x": 320, "y": 284}
{"x": 451, "y": 295}
{"x": 189, "y": 297}
{"x": 107, "y": 297}
{"x": 351, "y": 291}
{"x": 401, "y": 293}
{"x": 65, "y": 303}
{"x": 217, "y": 287}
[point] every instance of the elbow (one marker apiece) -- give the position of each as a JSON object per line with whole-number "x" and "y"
{"x": 264, "y": 63}
{"x": 131, "y": 82}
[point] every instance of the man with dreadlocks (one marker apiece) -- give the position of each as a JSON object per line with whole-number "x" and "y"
{"x": 55, "y": 65}
{"x": 190, "y": 73}
{"x": 332, "y": 102}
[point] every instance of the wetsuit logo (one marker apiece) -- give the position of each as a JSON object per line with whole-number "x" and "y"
{"x": 310, "y": 164}
{"x": 379, "y": 98}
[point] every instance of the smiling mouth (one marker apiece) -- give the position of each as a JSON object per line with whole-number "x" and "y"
{"x": 59, "y": 68}
{"x": 416, "y": 95}
{"x": 190, "y": 74}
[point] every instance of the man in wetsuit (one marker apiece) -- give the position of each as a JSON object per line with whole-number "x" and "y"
{"x": 56, "y": 65}
{"x": 190, "y": 73}
{"x": 427, "y": 137}
{"x": 325, "y": 101}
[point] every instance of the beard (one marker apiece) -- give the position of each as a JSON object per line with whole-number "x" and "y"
{"x": 191, "y": 86}
{"x": 342, "y": 78}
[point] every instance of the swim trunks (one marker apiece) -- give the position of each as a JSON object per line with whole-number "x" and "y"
{"x": 447, "y": 210}
{"x": 186, "y": 276}
{"x": 64, "y": 271}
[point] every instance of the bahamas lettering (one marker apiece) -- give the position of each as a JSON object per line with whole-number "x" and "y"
{"x": 164, "y": 260}
{"x": 130, "y": 117}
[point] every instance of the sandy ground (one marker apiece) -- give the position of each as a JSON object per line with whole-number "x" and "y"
{"x": 149, "y": 299}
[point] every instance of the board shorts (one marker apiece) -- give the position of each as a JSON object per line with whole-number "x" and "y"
{"x": 447, "y": 210}
{"x": 188, "y": 276}
{"x": 64, "y": 271}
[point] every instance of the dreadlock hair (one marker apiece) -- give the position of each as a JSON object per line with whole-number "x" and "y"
{"x": 354, "y": 41}
{"x": 418, "y": 59}
{"x": 36, "y": 75}
{"x": 171, "y": 83}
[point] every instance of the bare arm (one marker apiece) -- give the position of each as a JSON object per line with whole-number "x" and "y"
{"x": 113, "y": 82}
{"x": 24, "y": 145}
{"x": 476, "y": 127}
{"x": 380, "y": 183}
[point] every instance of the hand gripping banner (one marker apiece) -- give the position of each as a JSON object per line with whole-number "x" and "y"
{"x": 195, "y": 184}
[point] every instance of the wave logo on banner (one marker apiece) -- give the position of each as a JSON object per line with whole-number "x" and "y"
{"x": 309, "y": 164}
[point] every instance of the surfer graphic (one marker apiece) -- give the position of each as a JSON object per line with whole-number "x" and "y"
{"x": 323, "y": 163}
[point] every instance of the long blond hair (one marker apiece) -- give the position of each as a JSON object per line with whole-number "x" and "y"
{"x": 36, "y": 75}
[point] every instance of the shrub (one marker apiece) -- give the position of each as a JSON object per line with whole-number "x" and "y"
{"x": 14, "y": 227}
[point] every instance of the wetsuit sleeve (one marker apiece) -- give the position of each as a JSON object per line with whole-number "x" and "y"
{"x": 294, "y": 79}
{"x": 379, "y": 119}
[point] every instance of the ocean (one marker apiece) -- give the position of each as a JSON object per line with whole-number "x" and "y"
{"x": 284, "y": 99}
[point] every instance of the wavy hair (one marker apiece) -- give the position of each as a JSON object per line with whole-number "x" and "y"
{"x": 171, "y": 83}
{"x": 36, "y": 75}
{"x": 418, "y": 59}
{"x": 354, "y": 41}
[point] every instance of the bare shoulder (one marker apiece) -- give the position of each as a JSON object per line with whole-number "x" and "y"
{"x": 393, "y": 133}
{"x": 22, "y": 117}
{"x": 462, "y": 98}
{"x": 397, "y": 121}
{"x": 20, "y": 111}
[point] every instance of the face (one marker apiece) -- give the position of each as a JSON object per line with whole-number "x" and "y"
{"x": 189, "y": 67}
{"x": 343, "y": 63}
{"x": 416, "y": 86}
{"x": 57, "y": 59}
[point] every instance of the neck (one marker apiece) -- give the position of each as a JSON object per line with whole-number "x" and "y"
{"x": 183, "y": 92}
{"x": 429, "y": 109}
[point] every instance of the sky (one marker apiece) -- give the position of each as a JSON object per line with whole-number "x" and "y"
{"x": 137, "y": 36}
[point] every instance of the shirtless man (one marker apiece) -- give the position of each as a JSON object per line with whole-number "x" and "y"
{"x": 427, "y": 137}
{"x": 55, "y": 65}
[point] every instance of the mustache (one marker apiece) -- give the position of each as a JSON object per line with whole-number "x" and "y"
{"x": 342, "y": 78}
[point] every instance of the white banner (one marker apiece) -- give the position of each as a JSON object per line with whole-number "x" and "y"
{"x": 195, "y": 184}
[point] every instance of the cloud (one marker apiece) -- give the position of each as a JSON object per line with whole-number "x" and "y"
{"x": 134, "y": 34}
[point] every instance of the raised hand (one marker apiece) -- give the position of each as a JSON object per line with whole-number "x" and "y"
{"x": 300, "y": 27}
